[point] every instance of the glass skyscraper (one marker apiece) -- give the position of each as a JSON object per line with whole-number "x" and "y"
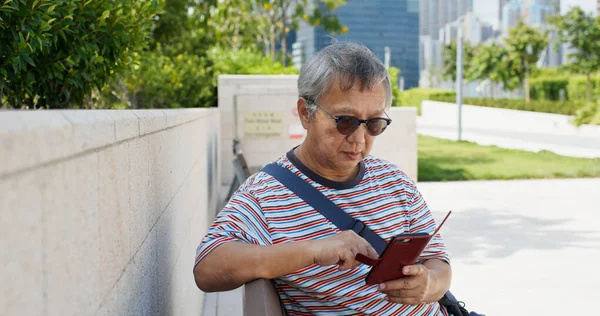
{"x": 435, "y": 14}
{"x": 375, "y": 24}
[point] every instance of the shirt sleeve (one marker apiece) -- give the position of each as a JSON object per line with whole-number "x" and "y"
{"x": 241, "y": 220}
{"x": 421, "y": 221}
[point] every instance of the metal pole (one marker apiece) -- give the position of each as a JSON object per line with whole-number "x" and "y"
{"x": 387, "y": 57}
{"x": 459, "y": 77}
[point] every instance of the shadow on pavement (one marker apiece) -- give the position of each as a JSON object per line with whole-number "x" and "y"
{"x": 484, "y": 233}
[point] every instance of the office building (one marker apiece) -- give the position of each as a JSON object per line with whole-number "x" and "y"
{"x": 377, "y": 25}
{"x": 511, "y": 14}
{"x": 435, "y": 14}
{"x": 501, "y": 4}
{"x": 537, "y": 12}
{"x": 475, "y": 31}
{"x": 434, "y": 17}
{"x": 532, "y": 12}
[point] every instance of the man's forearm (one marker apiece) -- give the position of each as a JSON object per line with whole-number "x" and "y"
{"x": 234, "y": 263}
{"x": 442, "y": 278}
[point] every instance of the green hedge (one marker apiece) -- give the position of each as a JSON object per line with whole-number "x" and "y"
{"x": 414, "y": 97}
{"x": 184, "y": 80}
{"x": 589, "y": 114}
{"x": 394, "y": 72}
{"x": 54, "y": 53}
{"x": 575, "y": 87}
{"x": 578, "y": 87}
{"x": 549, "y": 88}
{"x": 546, "y": 106}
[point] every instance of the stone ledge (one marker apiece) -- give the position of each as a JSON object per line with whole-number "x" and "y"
{"x": 403, "y": 109}
{"x": 32, "y": 138}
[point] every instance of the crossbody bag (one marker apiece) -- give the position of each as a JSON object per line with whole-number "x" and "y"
{"x": 344, "y": 221}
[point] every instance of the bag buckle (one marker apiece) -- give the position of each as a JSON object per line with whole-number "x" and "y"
{"x": 360, "y": 228}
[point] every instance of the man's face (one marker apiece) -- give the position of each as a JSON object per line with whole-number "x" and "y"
{"x": 344, "y": 152}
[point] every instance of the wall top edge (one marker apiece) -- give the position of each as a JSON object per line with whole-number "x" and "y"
{"x": 274, "y": 77}
{"x": 29, "y": 138}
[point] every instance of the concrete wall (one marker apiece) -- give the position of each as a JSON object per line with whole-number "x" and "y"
{"x": 101, "y": 211}
{"x": 481, "y": 117}
{"x": 532, "y": 131}
{"x": 241, "y": 95}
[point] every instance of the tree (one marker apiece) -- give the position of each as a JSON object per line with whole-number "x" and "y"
{"x": 487, "y": 63}
{"x": 449, "y": 59}
{"x": 234, "y": 25}
{"x": 582, "y": 31}
{"x": 524, "y": 45}
{"x": 278, "y": 17}
{"x": 510, "y": 72}
{"x": 174, "y": 70}
{"x": 53, "y": 53}
{"x": 394, "y": 74}
{"x": 588, "y": 114}
{"x": 183, "y": 26}
{"x": 193, "y": 43}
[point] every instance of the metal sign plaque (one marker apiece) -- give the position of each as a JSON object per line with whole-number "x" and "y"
{"x": 263, "y": 125}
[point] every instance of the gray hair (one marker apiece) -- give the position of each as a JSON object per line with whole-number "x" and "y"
{"x": 347, "y": 62}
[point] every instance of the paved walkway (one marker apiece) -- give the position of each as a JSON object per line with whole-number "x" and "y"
{"x": 523, "y": 247}
{"x": 527, "y": 247}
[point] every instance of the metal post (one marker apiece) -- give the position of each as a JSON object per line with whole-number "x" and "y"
{"x": 459, "y": 77}
{"x": 388, "y": 53}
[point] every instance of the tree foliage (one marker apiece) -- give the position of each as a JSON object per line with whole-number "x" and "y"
{"x": 394, "y": 74}
{"x": 582, "y": 32}
{"x": 234, "y": 25}
{"x": 449, "y": 59}
{"x": 185, "y": 80}
{"x": 524, "y": 45}
{"x": 53, "y": 53}
{"x": 142, "y": 53}
{"x": 183, "y": 26}
{"x": 277, "y": 17}
{"x": 588, "y": 114}
{"x": 487, "y": 63}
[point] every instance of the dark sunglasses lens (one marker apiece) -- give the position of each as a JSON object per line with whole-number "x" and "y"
{"x": 376, "y": 127}
{"x": 347, "y": 125}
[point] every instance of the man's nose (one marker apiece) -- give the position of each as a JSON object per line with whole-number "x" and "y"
{"x": 359, "y": 135}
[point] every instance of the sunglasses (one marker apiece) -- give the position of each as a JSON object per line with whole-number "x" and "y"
{"x": 347, "y": 125}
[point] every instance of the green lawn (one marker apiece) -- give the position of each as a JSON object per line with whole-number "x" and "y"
{"x": 445, "y": 160}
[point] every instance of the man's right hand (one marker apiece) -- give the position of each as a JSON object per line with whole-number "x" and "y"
{"x": 220, "y": 269}
{"x": 341, "y": 249}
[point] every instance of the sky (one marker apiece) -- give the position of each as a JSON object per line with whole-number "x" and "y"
{"x": 586, "y": 5}
{"x": 487, "y": 10}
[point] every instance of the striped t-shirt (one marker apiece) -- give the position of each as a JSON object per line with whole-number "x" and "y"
{"x": 264, "y": 212}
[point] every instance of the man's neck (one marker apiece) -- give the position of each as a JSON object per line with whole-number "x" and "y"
{"x": 311, "y": 160}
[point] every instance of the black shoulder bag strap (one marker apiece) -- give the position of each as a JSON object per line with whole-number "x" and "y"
{"x": 342, "y": 220}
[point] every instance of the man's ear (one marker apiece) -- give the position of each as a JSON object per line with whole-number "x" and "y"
{"x": 303, "y": 112}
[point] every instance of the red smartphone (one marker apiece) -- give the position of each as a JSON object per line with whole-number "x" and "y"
{"x": 401, "y": 251}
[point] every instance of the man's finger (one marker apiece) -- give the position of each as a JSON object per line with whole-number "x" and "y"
{"x": 371, "y": 252}
{"x": 415, "y": 293}
{"x": 348, "y": 259}
{"x": 415, "y": 270}
{"x": 362, "y": 249}
{"x": 345, "y": 265}
{"x": 406, "y": 283}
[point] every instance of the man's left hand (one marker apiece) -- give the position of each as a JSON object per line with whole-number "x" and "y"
{"x": 413, "y": 289}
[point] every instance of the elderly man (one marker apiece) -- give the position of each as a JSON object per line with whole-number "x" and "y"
{"x": 267, "y": 231}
